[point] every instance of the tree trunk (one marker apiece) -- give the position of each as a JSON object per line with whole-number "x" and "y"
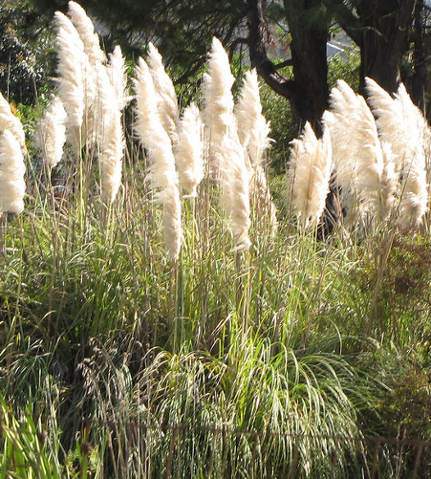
{"x": 307, "y": 91}
{"x": 309, "y": 60}
{"x": 419, "y": 80}
{"x": 384, "y": 39}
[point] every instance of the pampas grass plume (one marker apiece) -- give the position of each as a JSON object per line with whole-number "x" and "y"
{"x": 162, "y": 171}
{"x": 111, "y": 140}
{"x": 51, "y": 133}
{"x": 165, "y": 90}
{"x": 70, "y": 70}
{"x": 12, "y": 170}
{"x": 310, "y": 172}
{"x": 235, "y": 190}
{"x": 218, "y": 100}
{"x": 118, "y": 77}
{"x": 10, "y": 122}
{"x": 189, "y": 150}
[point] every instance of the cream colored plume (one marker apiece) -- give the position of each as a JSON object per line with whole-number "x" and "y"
{"x": 403, "y": 127}
{"x": 357, "y": 151}
{"x": 110, "y": 138}
{"x": 164, "y": 88}
{"x": 253, "y": 129}
{"x": 391, "y": 123}
{"x": 369, "y": 158}
{"x": 189, "y": 150}
{"x": 414, "y": 195}
{"x": 89, "y": 37}
{"x": 162, "y": 171}
{"x": 253, "y": 132}
{"x": 309, "y": 173}
{"x": 70, "y": 80}
{"x": 12, "y": 170}
{"x": 51, "y": 133}
{"x": 340, "y": 121}
{"x": 9, "y": 121}
{"x": 118, "y": 77}
{"x": 218, "y": 99}
{"x": 235, "y": 190}
{"x": 227, "y": 158}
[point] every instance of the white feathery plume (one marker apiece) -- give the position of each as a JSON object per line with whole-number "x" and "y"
{"x": 403, "y": 127}
{"x": 51, "y": 133}
{"x": 227, "y": 157}
{"x": 162, "y": 171}
{"x": 218, "y": 99}
{"x": 89, "y": 37}
{"x": 94, "y": 57}
{"x": 12, "y": 170}
{"x": 9, "y": 121}
{"x": 339, "y": 120}
{"x": 357, "y": 152}
{"x": 235, "y": 189}
{"x": 111, "y": 140}
{"x": 369, "y": 158}
{"x": 253, "y": 129}
{"x": 118, "y": 77}
{"x": 414, "y": 196}
{"x": 390, "y": 123}
{"x": 71, "y": 55}
{"x": 253, "y": 132}
{"x": 189, "y": 150}
{"x": 168, "y": 102}
{"x": 310, "y": 173}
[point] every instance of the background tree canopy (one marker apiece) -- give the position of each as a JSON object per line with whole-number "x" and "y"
{"x": 391, "y": 36}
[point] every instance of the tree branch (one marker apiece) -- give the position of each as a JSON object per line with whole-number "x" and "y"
{"x": 258, "y": 55}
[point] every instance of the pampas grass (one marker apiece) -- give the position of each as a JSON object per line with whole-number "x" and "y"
{"x": 165, "y": 91}
{"x": 253, "y": 129}
{"x": 70, "y": 80}
{"x": 402, "y": 126}
{"x": 10, "y": 122}
{"x": 357, "y": 151}
{"x": 227, "y": 157}
{"x": 118, "y": 77}
{"x": 162, "y": 172}
{"x": 51, "y": 133}
{"x": 111, "y": 139}
{"x": 309, "y": 173}
{"x": 391, "y": 123}
{"x": 218, "y": 100}
{"x": 235, "y": 190}
{"x": 189, "y": 150}
{"x": 253, "y": 133}
{"x": 414, "y": 196}
{"x": 12, "y": 170}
